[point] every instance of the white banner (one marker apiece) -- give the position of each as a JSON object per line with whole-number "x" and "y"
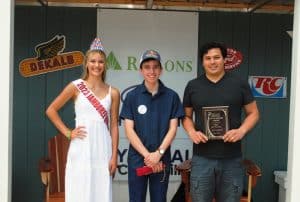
{"x": 126, "y": 34}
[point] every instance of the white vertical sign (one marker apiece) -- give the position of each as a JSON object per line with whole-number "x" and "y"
{"x": 126, "y": 34}
{"x": 6, "y": 82}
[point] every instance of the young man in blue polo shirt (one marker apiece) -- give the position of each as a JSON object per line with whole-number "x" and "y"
{"x": 150, "y": 112}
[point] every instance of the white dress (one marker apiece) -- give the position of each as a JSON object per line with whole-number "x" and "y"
{"x": 87, "y": 171}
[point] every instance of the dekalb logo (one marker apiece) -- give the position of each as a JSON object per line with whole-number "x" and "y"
{"x": 268, "y": 86}
{"x": 50, "y": 57}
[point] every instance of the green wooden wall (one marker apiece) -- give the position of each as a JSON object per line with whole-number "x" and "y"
{"x": 260, "y": 37}
{"x": 31, "y": 128}
{"x": 266, "y": 49}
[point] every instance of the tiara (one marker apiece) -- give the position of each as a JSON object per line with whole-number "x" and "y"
{"x": 96, "y": 45}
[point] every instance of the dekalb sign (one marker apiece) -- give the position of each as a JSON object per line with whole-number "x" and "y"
{"x": 49, "y": 58}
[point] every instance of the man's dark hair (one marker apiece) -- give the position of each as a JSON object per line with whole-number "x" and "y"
{"x": 206, "y": 47}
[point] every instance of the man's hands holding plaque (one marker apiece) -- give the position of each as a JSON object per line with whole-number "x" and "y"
{"x": 233, "y": 135}
{"x": 198, "y": 137}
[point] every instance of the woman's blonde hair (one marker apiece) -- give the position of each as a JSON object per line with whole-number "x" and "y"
{"x": 85, "y": 73}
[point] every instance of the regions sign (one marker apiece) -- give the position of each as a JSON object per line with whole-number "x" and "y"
{"x": 268, "y": 86}
{"x": 49, "y": 58}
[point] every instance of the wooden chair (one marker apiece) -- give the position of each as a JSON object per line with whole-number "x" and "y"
{"x": 52, "y": 169}
{"x": 252, "y": 171}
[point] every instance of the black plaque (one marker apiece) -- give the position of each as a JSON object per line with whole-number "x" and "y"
{"x": 215, "y": 121}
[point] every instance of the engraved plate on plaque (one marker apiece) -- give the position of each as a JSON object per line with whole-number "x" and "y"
{"x": 215, "y": 121}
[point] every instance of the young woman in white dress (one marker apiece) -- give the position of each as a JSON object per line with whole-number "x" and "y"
{"x": 92, "y": 155}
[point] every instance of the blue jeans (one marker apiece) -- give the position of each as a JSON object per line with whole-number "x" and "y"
{"x": 219, "y": 178}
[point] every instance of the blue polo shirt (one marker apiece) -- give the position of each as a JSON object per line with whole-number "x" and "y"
{"x": 151, "y": 114}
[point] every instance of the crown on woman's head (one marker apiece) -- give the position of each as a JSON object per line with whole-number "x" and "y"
{"x": 96, "y": 45}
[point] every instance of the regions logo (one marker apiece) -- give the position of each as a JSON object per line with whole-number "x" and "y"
{"x": 112, "y": 62}
{"x": 268, "y": 86}
{"x": 49, "y": 58}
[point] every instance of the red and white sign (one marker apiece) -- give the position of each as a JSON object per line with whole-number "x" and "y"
{"x": 268, "y": 86}
{"x": 233, "y": 60}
